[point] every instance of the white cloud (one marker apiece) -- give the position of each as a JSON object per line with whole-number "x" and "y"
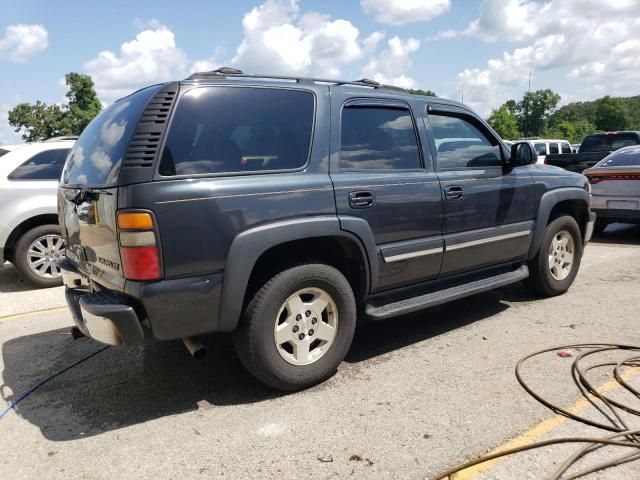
{"x": 398, "y": 12}
{"x": 23, "y": 41}
{"x": 587, "y": 41}
{"x": 278, "y": 39}
{"x": 150, "y": 58}
{"x": 391, "y": 64}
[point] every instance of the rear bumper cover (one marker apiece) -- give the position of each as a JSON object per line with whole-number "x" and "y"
{"x": 164, "y": 310}
{"x": 105, "y": 317}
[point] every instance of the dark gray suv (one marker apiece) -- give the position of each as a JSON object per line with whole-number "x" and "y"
{"x": 278, "y": 208}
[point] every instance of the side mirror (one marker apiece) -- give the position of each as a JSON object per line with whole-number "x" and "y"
{"x": 522, "y": 153}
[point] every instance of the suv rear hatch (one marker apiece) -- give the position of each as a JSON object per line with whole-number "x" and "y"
{"x": 88, "y": 193}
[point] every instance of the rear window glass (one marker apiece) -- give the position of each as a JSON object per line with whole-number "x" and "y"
{"x": 608, "y": 142}
{"x": 238, "y": 129}
{"x": 96, "y": 156}
{"x": 553, "y": 148}
{"x": 629, "y": 157}
{"x": 45, "y": 165}
{"x": 378, "y": 138}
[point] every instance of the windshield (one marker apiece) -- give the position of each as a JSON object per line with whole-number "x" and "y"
{"x": 608, "y": 142}
{"x": 95, "y": 158}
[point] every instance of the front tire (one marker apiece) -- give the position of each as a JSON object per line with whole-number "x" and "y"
{"x": 556, "y": 264}
{"x": 298, "y": 327}
{"x": 35, "y": 256}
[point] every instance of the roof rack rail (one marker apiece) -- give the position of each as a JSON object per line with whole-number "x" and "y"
{"x": 227, "y": 72}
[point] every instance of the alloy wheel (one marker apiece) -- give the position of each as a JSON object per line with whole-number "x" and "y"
{"x": 306, "y": 326}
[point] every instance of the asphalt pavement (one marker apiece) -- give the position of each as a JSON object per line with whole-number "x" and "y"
{"x": 416, "y": 395}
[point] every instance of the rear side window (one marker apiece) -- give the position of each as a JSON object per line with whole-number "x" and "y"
{"x": 566, "y": 148}
{"x": 553, "y": 148}
{"x": 96, "y": 156}
{"x": 378, "y": 138}
{"x": 219, "y": 130}
{"x": 461, "y": 144}
{"x": 608, "y": 142}
{"x": 629, "y": 157}
{"x": 541, "y": 148}
{"x": 45, "y": 165}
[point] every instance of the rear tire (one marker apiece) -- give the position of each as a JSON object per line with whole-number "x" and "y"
{"x": 298, "y": 327}
{"x": 26, "y": 256}
{"x": 556, "y": 264}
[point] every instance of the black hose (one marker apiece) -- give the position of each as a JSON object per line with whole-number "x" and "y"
{"x": 21, "y": 397}
{"x": 611, "y": 411}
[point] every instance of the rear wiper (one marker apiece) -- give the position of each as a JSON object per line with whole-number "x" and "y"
{"x": 86, "y": 192}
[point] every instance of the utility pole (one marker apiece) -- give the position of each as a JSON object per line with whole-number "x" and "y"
{"x": 526, "y": 112}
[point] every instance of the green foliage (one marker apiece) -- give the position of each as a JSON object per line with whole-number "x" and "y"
{"x": 611, "y": 114}
{"x": 536, "y": 115}
{"x": 40, "y": 121}
{"x": 534, "y": 109}
{"x": 428, "y": 93}
{"x": 504, "y": 121}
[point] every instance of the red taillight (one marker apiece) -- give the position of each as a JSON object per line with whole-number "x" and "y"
{"x": 593, "y": 179}
{"x": 140, "y": 263}
{"x": 139, "y": 246}
{"x": 545, "y": 160}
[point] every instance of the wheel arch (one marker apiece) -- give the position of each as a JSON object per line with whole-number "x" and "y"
{"x": 22, "y": 228}
{"x": 258, "y": 252}
{"x": 569, "y": 201}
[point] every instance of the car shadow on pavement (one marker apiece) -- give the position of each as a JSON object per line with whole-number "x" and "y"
{"x": 619, "y": 234}
{"x": 10, "y": 282}
{"x": 126, "y": 386}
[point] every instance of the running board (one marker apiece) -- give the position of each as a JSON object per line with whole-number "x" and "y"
{"x": 431, "y": 299}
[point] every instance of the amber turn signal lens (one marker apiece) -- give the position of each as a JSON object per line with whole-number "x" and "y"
{"x": 136, "y": 220}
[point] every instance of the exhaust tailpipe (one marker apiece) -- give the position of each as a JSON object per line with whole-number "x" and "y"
{"x": 195, "y": 348}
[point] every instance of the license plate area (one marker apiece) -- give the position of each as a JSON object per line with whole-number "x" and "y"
{"x": 622, "y": 205}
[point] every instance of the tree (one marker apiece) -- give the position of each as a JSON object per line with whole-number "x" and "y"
{"x": 83, "y": 102}
{"x": 40, "y": 121}
{"x": 534, "y": 109}
{"x": 427, "y": 93}
{"x": 504, "y": 122}
{"x": 612, "y": 114}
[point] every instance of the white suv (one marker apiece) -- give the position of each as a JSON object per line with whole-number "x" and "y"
{"x": 29, "y": 232}
{"x": 546, "y": 147}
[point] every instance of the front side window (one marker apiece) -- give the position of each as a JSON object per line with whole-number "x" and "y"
{"x": 45, "y": 165}
{"x": 217, "y": 130}
{"x": 461, "y": 144}
{"x": 566, "y": 148}
{"x": 378, "y": 138}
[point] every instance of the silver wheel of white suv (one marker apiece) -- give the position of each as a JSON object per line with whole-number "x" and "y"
{"x": 43, "y": 255}
{"x": 306, "y": 326}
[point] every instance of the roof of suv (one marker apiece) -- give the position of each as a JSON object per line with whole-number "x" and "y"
{"x": 228, "y": 75}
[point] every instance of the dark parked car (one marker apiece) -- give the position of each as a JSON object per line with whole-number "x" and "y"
{"x": 615, "y": 187}
{"x": 277, "y": 208}
{"x": 593, "y": 149}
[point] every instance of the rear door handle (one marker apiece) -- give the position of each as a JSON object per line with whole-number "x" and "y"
{"x": 362, "y": 199}
{"x": 453, "y": 192}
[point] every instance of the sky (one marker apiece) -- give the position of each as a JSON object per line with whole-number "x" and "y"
{"x": 483, "y": 52}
